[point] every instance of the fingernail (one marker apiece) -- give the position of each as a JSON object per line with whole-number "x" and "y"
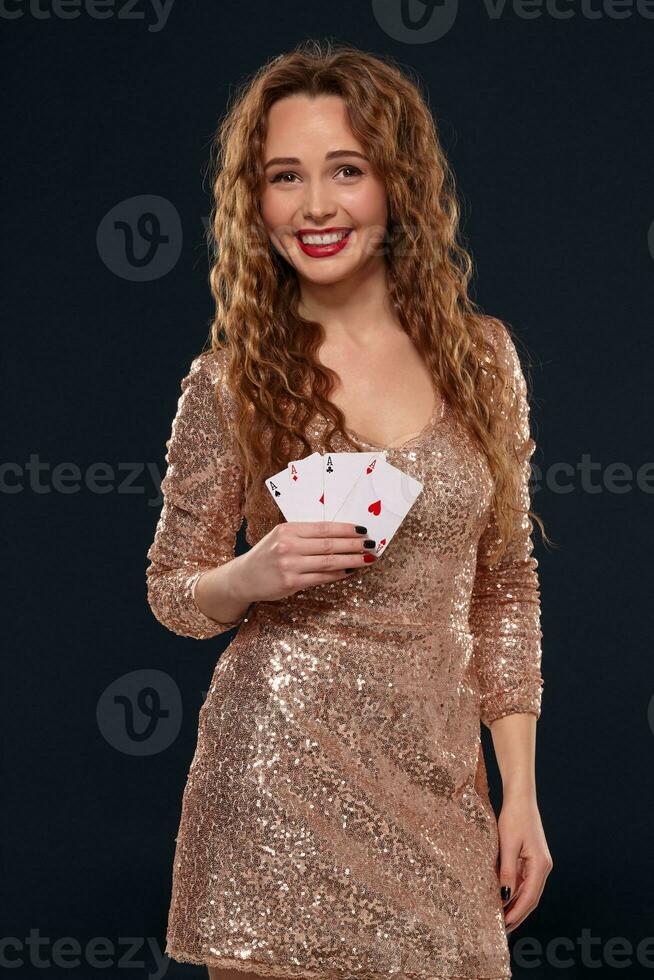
{"x": 360, "y": 530}
{"x": 369, "y": 544}
{"x": 369, "y": 558}
{"x": 505, "y": 892}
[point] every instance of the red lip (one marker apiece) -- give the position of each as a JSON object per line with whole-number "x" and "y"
{"x": 319, "y": 231}
{"x": 324, "y": 251}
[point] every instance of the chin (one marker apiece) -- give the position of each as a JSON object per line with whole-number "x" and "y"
{"x": 328, "y": 277}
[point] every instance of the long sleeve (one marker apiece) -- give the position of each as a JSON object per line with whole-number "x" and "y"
{"x": 202, "y": 505}
{"x": 505, "y": 602}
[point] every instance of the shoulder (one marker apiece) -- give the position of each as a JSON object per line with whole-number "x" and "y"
{"x": 200, "y": 398}
{"x": 206, "y": 385}
{"x": 498, "y": 336}
{"x": 201, "y": 422}
{"x": 209, "y": 366}
{"x": 204, "y": 379}
{"x": 500, "y": 340}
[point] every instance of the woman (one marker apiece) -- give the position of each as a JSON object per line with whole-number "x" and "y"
{"x": 336, "y": 818}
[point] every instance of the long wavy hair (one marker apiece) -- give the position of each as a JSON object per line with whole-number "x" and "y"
{"x": 271, "y": 367}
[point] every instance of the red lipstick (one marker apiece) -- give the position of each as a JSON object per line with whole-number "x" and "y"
{"x": 322, "y": 251}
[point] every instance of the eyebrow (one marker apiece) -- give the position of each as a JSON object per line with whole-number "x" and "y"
{"x": 332, "y": 155}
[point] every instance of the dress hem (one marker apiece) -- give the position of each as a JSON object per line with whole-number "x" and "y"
{"x": 265, "y": 969}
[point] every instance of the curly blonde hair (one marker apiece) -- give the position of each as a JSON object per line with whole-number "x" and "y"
{"x": 270, "y": 350}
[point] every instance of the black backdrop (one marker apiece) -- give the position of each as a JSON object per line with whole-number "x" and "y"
{"x": 547, "y": 120}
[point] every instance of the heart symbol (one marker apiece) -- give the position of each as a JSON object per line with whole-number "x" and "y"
{"x": 375, "y": 508}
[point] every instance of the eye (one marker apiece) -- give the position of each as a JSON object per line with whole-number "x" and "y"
{"x": 284, "y": 173}
{"x": 277, "y": 179}
{"x": 350, "y": 166}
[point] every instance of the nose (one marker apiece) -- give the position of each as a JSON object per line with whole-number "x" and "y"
{"x": 317, "y": 206}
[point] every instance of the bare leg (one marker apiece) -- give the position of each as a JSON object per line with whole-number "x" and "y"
{"x": 220, "y": 973}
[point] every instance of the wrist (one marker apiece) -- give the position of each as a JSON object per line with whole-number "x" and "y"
{"x": 235, "y": 581}
{"x": 218, "y": 596}
{"x": 519, "y": 789}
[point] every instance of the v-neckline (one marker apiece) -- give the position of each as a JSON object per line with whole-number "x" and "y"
{"x": 416, "y": 440}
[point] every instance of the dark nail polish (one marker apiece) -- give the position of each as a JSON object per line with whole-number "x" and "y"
{"x": 369, "y": 558}
{"x": 360, "y": 530}
{"x": 369, "y": 544}
{"x": 505, "y": 892}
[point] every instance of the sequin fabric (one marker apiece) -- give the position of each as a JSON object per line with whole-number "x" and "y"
{"x": 336, "y": 821}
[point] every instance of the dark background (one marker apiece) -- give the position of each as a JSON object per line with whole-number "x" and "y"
{"x": 548, "y": 125}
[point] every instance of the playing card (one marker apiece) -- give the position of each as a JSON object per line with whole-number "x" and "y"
{"x": 305, "y": 500}
{"x": 380, "y": 500}
{"x": 279, "y": 486}
{"x": 341, "y": 471}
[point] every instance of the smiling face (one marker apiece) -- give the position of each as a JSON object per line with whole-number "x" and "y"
{"x": 318, "y": 181}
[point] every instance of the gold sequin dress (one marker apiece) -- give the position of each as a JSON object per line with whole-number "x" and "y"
{"x": 336, "y": 820}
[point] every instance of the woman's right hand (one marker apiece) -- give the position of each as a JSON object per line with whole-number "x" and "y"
{"x": 295, "y": 555}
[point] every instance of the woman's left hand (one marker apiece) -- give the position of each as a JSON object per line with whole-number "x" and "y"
{"x": 524, "y": 860}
